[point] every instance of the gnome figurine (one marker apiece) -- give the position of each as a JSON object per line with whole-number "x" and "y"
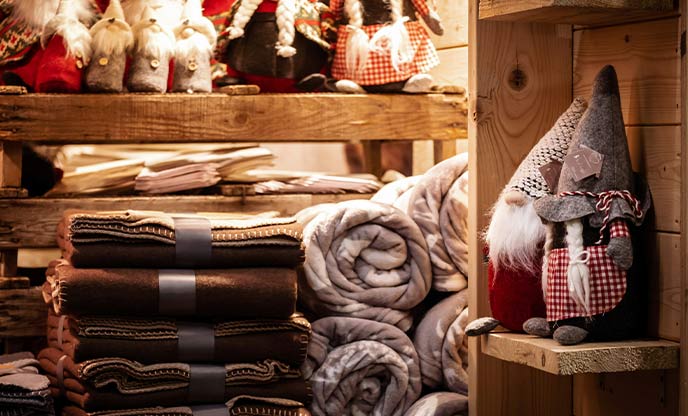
{"x": 279, "y": 45}
{"x": 153, "y": 50}
{"x": 381, "y": 47}
{"x": 516, "y": 235}
{"x": 112, "y": 39}
{"x": 167, "y": 12}
{"x": 592, "y": 282}
{"x": 196, "y": 38}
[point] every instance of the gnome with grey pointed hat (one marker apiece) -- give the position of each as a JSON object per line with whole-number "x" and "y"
{"x": 590, "y": 278}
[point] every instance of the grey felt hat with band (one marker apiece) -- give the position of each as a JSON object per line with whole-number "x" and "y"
{"x": 602, "y": 130}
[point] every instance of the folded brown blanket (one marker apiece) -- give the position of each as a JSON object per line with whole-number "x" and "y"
{"x": 166, "y": 340}
{"x": 117, "y": 383}
{"x": 154, "y": 239}
{"x": 219, "y": 294}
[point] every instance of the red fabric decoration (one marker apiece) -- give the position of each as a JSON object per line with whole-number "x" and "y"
{"x": 515, "y": 296}
{"x": 58, "y": 72}
{"x": 27, "y": 68}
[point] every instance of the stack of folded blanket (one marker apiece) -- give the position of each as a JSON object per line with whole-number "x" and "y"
{"x": 160, "y": 314}
{"x": 23, "y": 392}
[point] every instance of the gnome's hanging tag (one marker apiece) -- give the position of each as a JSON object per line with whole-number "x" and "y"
{"x": 584, "y": 162}
{"x": 550, "y": 173}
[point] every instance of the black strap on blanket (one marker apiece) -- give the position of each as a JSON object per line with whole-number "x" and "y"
{"x": 207, "y": 384}
{"x": 176, "y": 292}
{"x": 193, "y": 241}
{"x": 210, "y": 410}
{"x": 195, "y": 342}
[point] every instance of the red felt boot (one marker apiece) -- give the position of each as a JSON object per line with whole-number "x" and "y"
{"x": 58, "y": 71}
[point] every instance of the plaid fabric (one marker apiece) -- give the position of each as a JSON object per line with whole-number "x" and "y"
{"x": 607, "y": 284}
{"x": 421, "y": 7}
{"x": 619, "y": 229}
{"x": 378, "y": 69}
{"x": 16, "y": 39}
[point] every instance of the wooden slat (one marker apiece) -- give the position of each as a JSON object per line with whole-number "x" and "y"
{"x": 683, "y": 371}
{"x": 8, "y": 262}
{"x": 592, "y": 357}
{"x": 508, "y": 114}
{"x": 646, "y": 58}
{"x": 22, "y": 313}
{"x": 663, "y": 251}
{"x": 453, "y": 69}
{"x": 119, "y": 118}
{"x": 423, "y": 156}
{"x": 573, "y": 11}
{"x": 656, "y": 154}
{"x": 10, "y": 164}
{"x": 624, "y": 394}
{"x": 454, "y": 14}
{"x": 31, "y": 222}
{"x": 372, "y": 153}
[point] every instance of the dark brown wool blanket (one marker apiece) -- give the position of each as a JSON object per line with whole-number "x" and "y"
{"x": 117, "y": 383}
{"x": 219, "y": 294}
{"x": 157, "y": 240}
{"x": 166, "y": 340}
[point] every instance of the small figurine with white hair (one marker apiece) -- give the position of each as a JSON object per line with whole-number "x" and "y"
{"x": 112, "y": 39}
{"x": 153, "y": 50}
{"x": 196, "y": 38}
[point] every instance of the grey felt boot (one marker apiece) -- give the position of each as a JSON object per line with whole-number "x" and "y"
{"x": 481, "y": 326}
{"x": 148, "y": 73}
{"x": 569, "y": 335}
{"x": 538, "y": 327}
{"x": 106, "y": 73}
{"x": 193, "y": 75}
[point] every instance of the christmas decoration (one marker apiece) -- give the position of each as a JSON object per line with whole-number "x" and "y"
{"x": 196, "y": 38}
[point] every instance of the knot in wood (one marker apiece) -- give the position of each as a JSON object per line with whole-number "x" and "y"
{"x": 518, "y": 79}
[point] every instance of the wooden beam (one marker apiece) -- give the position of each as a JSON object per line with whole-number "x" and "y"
{"x": 590, "y": 357}
{"x": 23, "y": 313}
{"x": 8, "y": 263}
{"x": 663, "y": 251}
{"x": 372, "y": 155}
{"x": 31, "y": 222}
{"x": 454, "y": 14}
{"x": 121, "y": 118}
{"x": 520, "y": 82}
{"x": 10, "y": 164}
{"x": 574, "y": 11}
{"x": 683, "y": 372}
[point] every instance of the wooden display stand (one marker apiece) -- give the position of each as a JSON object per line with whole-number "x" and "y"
{"x": 528, "y": 59}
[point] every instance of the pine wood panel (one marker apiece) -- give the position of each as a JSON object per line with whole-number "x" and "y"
{"x": 683, "y": 373}
{"x": 663, "y": 251}
{"x": 626, "y": 394}
{"x": 656, "y": 154}
{"x": 119, "y": 118}
{"x": 454, "y": 14}
{"x": 453, "y": 69}
{"x": 22, "y": 313}
{"x": 31, "y": 222}
{"x": 646, "y": 58}
{"x": 592, "y": 357}
{"x": 573, "y": 11}
{"x": 508, "y": 113}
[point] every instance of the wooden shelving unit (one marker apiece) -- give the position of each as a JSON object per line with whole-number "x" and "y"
{"x": 582, "y": 12}
{"x": 591, "y": 357}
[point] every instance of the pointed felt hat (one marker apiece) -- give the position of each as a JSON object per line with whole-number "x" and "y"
{"x": 602, "y": 130}
{"x": 114, "y": 10}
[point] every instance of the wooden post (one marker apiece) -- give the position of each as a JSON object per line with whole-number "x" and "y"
{"x": 520, "y": 81}
{"x": 8, "y": 263}
{"x": 683, "y": 372}
{"x": 372, "y": 154}
{"x": 443, "y": 149}
{"x": 423, "y": 156}
{"x": 10, "y": 164}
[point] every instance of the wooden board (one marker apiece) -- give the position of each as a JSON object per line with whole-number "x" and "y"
{"x": 10, "y": 166}
{"x": 22, "y": 313}
{"x": 573, "y": 11}
{"x": 509, "y": 111}
{"x": 656, "y": 154}
{"x": 593, "y": 357}
{"x": 120, "y": 118}
{"x": 663, "y": 251}
{"x": 453, "y": 69}
{"x": 683, "y": 372}
{"x": 454, "y": 14}
{"x": 31, "y": 222}
{"x": 626, "y": 394}
{"x": 646, "y": 58}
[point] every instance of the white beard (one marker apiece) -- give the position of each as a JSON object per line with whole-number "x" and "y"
{"x": 108, "y": 42}
{"x": 168, "y": 11}
{"x": 37, "y": 13}
{"x": 149, "y": 42}
{"x": 515, "y": 235}
{"x": 192, "y": 48}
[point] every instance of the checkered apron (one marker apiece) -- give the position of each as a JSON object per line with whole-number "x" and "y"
{"x": 379, "y": 69}
{"x": 607, "y": 281}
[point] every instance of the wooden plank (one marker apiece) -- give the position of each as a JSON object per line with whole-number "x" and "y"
{"x": 8, "y": 262}
{"x": 453, "y": 69}
{"x": 646, "y": 58}
{"x": 664, "y": 253}
{"x": 372, "y": 154}
{"x": 422, "y": 156}
{"x": 508, "y": 114}
{"x": 120, "y": 118}
{"x": 443, "y": 150}
{"x": 624, "y": 394}
{"x": 14, "y": 283}
{"x": 574, "y": 11}
{"x": 591, "y": 357}
{"x": 22, "y": 313}
{"x": 656, "y": 154}
{"x": 10, "y": 164}
{"x": 454, "y": 14}
{"x": 683, "y": 371}
{"x": 31, "y": 222}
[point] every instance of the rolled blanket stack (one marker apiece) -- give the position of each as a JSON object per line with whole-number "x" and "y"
{"x": 183, "y": 334}
{"x": 23, "y": 392}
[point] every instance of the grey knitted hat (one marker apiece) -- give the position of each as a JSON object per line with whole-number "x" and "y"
{"x": 553, "y": 146}
{"x": 602, "y": 130}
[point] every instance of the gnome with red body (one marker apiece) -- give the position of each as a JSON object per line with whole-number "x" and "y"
{"x": 592, "y": 283}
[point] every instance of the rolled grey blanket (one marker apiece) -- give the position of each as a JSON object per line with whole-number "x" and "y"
{"x": 361, "y": 367}
{"x": 440, "y": 404}
{"x": 397, "y": 193}
{"x": 366, "y": 260}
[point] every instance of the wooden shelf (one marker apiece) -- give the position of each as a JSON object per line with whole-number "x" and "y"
{"x": 121, "y": 118}
{"x": 22, "y": 313}
{"x": 583, "y": 12}
{"x": 31, "y": 222}
{"x": 598, "y": 357}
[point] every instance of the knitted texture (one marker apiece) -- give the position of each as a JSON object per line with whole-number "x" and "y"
{"x": 552, "y": 147}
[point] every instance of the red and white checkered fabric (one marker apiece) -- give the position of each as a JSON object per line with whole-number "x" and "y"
{"x": 378, "y": 69}
{"x": 607, "y": 284}
{"x": 619, "y": 229}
